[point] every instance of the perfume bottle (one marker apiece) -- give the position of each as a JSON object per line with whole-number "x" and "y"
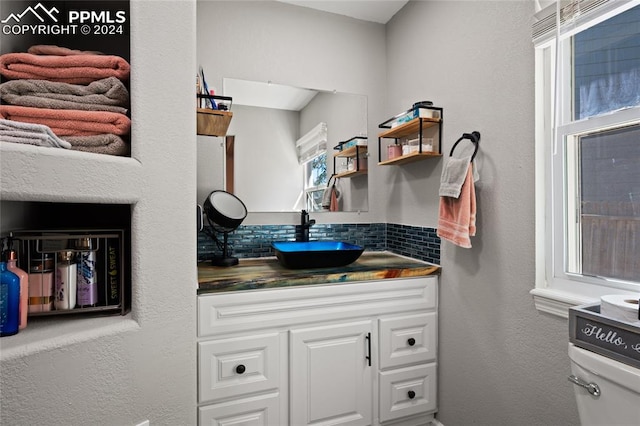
{"x": 86, "y": 283}
{"x": 66, "y": 279}
{"x": 12, "y": 259}
{"x": 9, "y": 300}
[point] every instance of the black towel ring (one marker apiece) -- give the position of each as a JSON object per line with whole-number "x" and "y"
{"x": 474, "y": 137}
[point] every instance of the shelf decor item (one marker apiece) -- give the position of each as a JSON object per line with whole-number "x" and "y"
{"x": 610, "y": 337}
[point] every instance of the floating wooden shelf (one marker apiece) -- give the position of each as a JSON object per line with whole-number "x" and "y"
{"x": 351, "y": 151}
{"x": 351, "y": 173}
{"x": 409, "y": 128}
{"x": 359, "y": 155}
{"x": 212, "y": 122}
{"x": 410, "y": 158}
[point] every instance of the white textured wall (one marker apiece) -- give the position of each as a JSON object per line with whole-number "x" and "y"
{"x": 297, "y": 46}
{"x": 500, "y": 361}
{"x": 121, "y": 371}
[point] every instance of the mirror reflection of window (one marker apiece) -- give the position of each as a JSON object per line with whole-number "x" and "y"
{"x": 315, "y": 181}
{"x": 312, "y": 155}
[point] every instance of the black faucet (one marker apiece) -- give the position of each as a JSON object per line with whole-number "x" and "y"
{"x": 305, "y": 224}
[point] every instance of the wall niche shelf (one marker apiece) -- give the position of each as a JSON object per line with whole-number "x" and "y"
{"x": 70, "y": 190}
{"x": 355, "y": 152}
{"x": 413, "y": 122}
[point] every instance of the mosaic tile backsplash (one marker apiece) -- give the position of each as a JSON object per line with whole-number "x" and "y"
{"x": 255, "y": 240}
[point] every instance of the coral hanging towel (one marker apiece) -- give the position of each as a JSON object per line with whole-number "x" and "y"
{"x": 457, "y": 216}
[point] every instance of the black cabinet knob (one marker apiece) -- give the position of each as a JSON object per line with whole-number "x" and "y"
{"x": 240, "y": 369}
{"x": 411, "y": 394}
{"x": 411, "y": 341}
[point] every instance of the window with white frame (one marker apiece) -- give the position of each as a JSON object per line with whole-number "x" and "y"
{"x": 587, "y": 152}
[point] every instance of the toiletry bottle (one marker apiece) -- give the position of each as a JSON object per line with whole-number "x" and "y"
{"x": 12, "y": 258}
{"x": 66, "y": 278}
{"x": 9, "y": 300}
{"x": 87, "y": 286}
{"x": 41, "y": 282}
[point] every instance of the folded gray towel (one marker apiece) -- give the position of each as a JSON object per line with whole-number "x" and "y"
{"x": 107, "y": 94}
{"x": 453, "y": 176}
{"x": 30, "y": 134}
{"x": 100, "y": 144}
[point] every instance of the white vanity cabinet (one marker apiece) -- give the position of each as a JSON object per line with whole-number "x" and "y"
{"x": 361, "y": 353}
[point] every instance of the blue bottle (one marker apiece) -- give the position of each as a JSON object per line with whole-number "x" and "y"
{"x": 9, "y": 301}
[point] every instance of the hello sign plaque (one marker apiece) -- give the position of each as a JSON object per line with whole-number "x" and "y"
{"x": 614, "y": 339}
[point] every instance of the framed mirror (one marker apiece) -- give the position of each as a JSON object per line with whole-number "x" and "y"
{"x": 277, "y": 157}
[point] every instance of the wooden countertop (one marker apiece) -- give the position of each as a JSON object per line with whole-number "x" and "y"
{"x": 266, "y": 272}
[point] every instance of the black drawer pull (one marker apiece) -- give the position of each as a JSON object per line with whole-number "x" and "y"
{"x": 411, "y": 394}
{"x": 411, "y": 341}
{"x": 241, "y": 369}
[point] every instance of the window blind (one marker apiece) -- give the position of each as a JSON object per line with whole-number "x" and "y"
{"x": 312, "y": 143}
{"x": 573, "y": 14}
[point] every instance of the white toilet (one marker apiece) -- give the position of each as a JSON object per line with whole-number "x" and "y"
{"x": 607, "y": 391}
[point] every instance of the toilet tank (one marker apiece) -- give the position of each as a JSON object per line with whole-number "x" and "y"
{"x": 618, "y": 402}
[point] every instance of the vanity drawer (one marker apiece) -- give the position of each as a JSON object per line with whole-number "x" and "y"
{"x": 407, "y": 391}
{"x": 238, "y": 366}
{"x": 262, "y": 410}
{"x": 408, "y": 339}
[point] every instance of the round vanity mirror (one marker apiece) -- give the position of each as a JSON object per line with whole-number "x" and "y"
{"x": 225, "y": 210}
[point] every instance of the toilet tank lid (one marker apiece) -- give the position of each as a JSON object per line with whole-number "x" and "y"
{"x": 617, "y": 372}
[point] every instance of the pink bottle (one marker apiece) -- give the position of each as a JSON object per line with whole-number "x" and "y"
{"x": 24, "y": 287}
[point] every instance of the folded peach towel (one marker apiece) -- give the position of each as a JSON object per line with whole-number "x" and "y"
{"x": 51, "y": 49}
{"x": 68, "y": 122}
{"x": 334, "y": 206}
{"x": 457, "y": 216}
{"x": 69, "y": 68}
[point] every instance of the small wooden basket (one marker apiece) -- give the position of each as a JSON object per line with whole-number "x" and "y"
{"x": 213, "y": 122}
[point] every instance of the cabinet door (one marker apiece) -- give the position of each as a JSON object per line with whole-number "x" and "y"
{"x": 331, "y": 379}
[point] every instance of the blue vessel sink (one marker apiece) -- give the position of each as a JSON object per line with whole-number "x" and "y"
{"x": 315, "y": 254}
